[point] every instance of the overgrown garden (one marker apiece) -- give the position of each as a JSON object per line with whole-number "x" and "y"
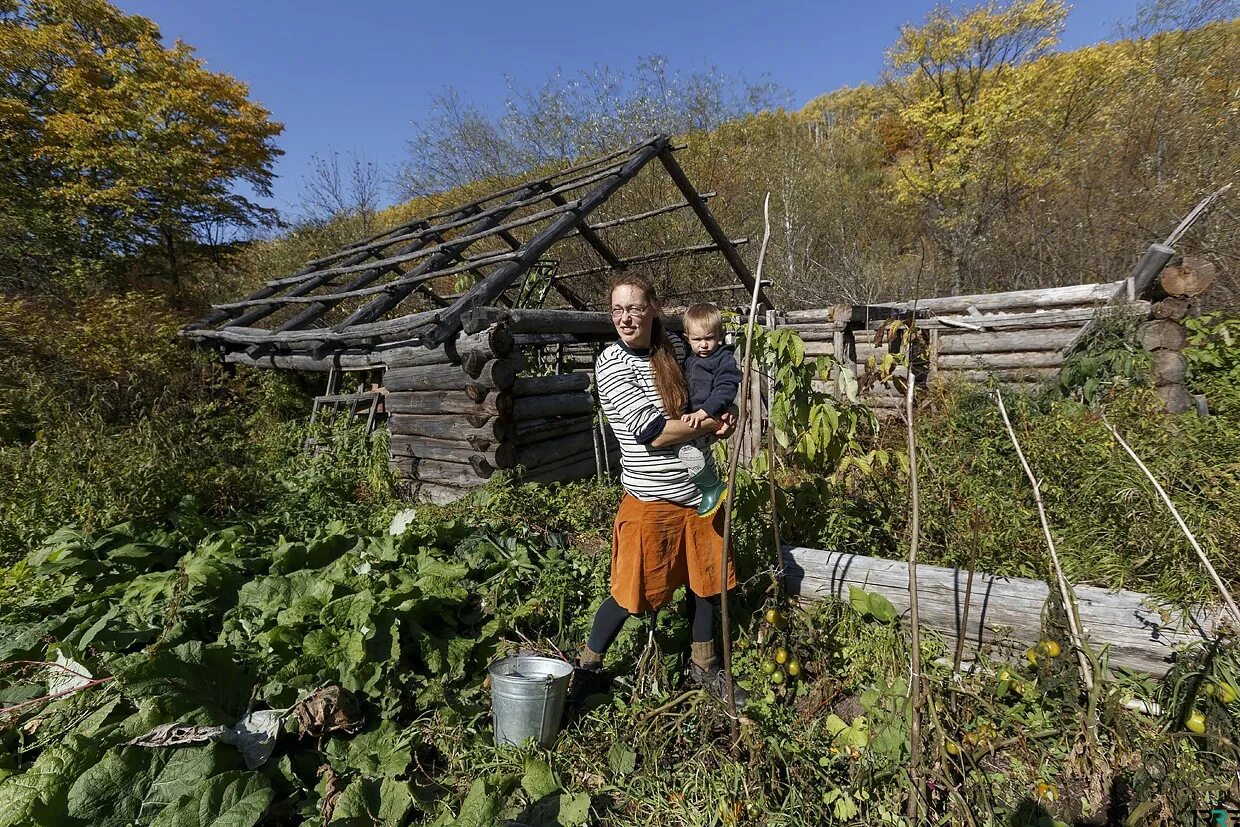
{"x": 201, "y": 625}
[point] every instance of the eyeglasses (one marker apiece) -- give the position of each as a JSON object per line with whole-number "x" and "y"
{"x": 637, "y": 311}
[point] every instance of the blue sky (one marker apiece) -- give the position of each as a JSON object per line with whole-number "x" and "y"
{"x": 355, "y": 77}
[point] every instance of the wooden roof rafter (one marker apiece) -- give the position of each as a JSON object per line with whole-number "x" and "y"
{"x": 384, "y": 271}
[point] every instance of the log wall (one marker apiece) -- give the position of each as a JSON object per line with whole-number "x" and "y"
{"x": 495, "y": 400}
{"x": 514, "y": 390}
{"x": 1018, "y": 338}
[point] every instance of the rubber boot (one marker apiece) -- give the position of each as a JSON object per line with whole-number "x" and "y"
{"x": 704, "y": 670}
{"x": 714, "y": 490}
{"x": 588, "y": 677}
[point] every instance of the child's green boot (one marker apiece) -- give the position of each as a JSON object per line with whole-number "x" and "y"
{"x": 714, "y": 490}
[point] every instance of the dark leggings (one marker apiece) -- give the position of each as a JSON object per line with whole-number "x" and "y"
{"x": 610, "y": 617}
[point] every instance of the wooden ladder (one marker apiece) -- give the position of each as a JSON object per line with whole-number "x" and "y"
{"x": 333, "y": 402}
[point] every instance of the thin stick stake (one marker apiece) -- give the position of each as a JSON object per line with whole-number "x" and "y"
{"x": 1065, "y": 591}
{"x": 914, "y": 685}
{"x": 733, "y": 462}
{"x": 1205, "y": 560}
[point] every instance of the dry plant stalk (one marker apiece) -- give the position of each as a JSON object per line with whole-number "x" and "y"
{"x": 914, "y": 684}
{"x": 1205, "y": 560}
{"x": 1065, "y": 591}
{"x": 733, "y": 462}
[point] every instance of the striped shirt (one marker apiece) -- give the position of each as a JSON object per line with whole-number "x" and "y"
{"x": 635, "y": 412}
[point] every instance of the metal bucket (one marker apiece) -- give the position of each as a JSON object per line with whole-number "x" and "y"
{"x": 527, "y": 698}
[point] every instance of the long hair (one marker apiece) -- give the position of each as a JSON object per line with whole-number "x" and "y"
{"x": 669, "y": 378}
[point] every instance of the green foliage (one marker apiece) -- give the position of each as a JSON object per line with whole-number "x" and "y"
{"x": 1213, "y": 354}
{"x": 114, "y": 141}
{"x": 1111, "y": 358}
{"x": 818, "y": 431}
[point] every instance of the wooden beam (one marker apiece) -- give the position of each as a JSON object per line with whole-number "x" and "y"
{"x": 377, "y": 307}
{"x": 645, "y": 258}
{"x": 712, "y": 227}
{"x": 485, "y": 291}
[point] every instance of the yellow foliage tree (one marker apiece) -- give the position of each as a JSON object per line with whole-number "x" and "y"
{"x": 123, "y": 141}
{"x": 975, "y": 133}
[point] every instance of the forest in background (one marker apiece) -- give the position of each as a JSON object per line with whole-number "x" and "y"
{"x": 981, "y": 160}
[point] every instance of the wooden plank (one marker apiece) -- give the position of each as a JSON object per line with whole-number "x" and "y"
{"x": 988, "y": 361}
{"x": 551, "y": 323}
{"x": 712, "y": 227}
{"x": 549, "y": 451}
{"x": 557, "y": 404}
{"x": 531, "y": 431}
{"x": 498, "y": 455}
{"x": 1002, "y": 608}
{"x": 453, "y": 427}
{"x": 486, "y": 291}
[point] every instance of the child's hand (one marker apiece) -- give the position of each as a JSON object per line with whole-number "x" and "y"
{"x": 696, "y": 418}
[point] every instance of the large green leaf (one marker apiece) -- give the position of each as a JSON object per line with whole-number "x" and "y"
{"x": 485, "y": 800}
{"x": 195, "y": 683}
{"x": 230, "y": 799}
{"x": 135, "y": 784}
{"x": 366, "y": 801}
{"x": 38, "y": 796}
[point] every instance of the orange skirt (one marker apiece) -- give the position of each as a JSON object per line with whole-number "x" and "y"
{"x": 658, "y": 547}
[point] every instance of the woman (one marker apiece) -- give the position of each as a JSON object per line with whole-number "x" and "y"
{"x": 659, "y": 542}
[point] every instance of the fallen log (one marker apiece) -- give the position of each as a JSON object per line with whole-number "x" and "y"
{"x": 1002, "y": 609}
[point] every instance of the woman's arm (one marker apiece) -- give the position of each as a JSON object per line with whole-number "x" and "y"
{"x": 676, "y": 432}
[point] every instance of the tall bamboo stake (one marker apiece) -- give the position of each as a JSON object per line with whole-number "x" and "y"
{"x": 733, "y": 462}
{"x": 1205, "y": 560}
{"x": 1065, "y": 591}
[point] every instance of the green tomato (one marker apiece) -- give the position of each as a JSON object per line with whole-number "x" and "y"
{"x": 769, "y": 667}
{"x": 777, "y": 677}
{"x": 1196, "y": 723}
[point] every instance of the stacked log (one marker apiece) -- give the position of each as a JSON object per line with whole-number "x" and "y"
{"x": 1177, "y": 293}
{"x": 1017, "y": 338}
{"x": 461, "y": 412}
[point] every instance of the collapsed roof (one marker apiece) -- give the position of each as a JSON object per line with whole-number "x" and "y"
{"x": 399, "y": 284}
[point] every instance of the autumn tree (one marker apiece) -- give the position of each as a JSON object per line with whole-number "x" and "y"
{"x": 113, "y": 142}
{"x": 969, "y": 145}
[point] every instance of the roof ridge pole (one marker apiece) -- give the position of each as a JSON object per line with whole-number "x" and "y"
{"x": 485, "y": 291}
{"x": 712, "y": 226}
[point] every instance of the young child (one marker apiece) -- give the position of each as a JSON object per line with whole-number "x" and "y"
{"x": 713, "y": 379}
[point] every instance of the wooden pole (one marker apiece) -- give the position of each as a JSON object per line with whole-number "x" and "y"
{"x": 733, "y": 463}
{"x": 1065, "y": 590}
